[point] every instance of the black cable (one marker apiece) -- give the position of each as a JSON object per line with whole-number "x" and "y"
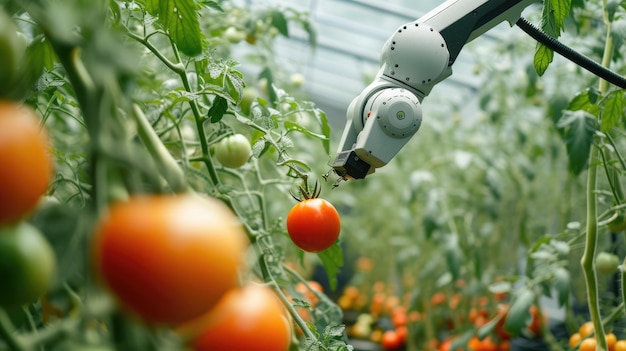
{"x": 572, "y": 55}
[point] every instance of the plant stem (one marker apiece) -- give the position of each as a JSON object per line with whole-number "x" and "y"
{"x": 588, "y": 258}
{"x": 166, "y": 163}
{"x": 7, "y": 332}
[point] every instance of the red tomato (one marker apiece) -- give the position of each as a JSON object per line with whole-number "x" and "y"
{"x": 313, "y": 224}
{"x": 251, "y": 318}
{"x": 25, "y": 162}
{"x": 392, "y": 340}
{"x": 169, "y": 259}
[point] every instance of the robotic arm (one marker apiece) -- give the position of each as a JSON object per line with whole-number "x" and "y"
{"x": 420, "y": 54}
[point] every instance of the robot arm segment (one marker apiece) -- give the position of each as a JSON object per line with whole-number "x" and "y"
{"x": 387, "y": 113}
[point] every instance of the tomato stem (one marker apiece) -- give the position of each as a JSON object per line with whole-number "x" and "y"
{"x": 7, "y": 332}
{"x": 172, "y": 173}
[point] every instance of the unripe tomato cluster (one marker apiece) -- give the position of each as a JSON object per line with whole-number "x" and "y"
{"x": 27, "y": 261}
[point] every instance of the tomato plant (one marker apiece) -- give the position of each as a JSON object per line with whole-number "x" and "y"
{"x": 25, "y": 160}
{"x": 250, "y": 318}
{"x": 169, "y": 258}
{"x": 27, "y": 264}
{"x": 313, "y": 224}
{"x": 233, "y": 151}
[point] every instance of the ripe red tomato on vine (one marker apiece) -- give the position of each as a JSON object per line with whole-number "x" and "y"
{"x": 313, "y": 223}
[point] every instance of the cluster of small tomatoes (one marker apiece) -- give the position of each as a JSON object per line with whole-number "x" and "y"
{"x": 445, "y": 319}
{"x": 27, "y": 261}
{"x": 584, "y": 339}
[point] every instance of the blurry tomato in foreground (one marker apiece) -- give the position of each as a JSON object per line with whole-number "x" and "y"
{"x": 251, "y": 318}
{"x": 169, "y": 259}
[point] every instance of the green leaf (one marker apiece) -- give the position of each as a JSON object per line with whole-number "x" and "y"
{"x": 454, "y": 259}
{"x": 308, "y": 28}
{"x": 560, "y": 11}
{"x": 267, "y": 74}
{"x": 212, "y": 4}
{"x": 611, "y": 8}
{"x": 519, "y": 314}
{"x": 579, "y": 129}
{"x": 179, "y": 18}
{"x": 543, "y": 58}
{"x": 332, "y": 260}
{"x": 613, "y": 110}
{"x": 323, "y": 120}
{"x": 218, "y": 109}
{"x": 280, "y": 22}
{"x": 586, "y": 101}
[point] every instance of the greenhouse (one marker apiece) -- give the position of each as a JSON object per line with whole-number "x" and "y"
{"x": 315, "y": 175}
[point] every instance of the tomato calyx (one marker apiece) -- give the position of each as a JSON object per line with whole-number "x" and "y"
{"x": 306, "y": 193}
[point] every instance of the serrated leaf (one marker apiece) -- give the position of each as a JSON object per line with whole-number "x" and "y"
{"x": 334, "y": 331}
{"x": 562, "y": 285}
{"x": 579, "y": 129}
{"x": 543, "y": 58}
{"x": 332, "y": 260}
{"x": 585, "y": 101}
{"x": 519, "y": 313}
{"x": 212, "y": 4}
{"x": 179, "y": 18}
{"x": 259, "y": 147}
{"x": 613, "y": 110}
{"x": 560, "y": 11}
{"x": 280, "y": 22}
{"x": 218, "y": 109}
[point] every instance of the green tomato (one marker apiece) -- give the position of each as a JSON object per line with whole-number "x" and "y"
{"x": 27, "y": 264}
{"x": 234, "y": 35}
{"x": 233, "y": 151}
{"x": 607, "y": 263}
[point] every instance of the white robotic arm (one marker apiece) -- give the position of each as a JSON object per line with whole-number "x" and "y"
{"x": 420, "y": 54}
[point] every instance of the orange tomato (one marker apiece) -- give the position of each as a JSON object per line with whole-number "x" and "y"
{"x": 438, "y": 298}
{"x": 399, "y": 317}
{"x": 611, "y": 339}
{"x": 538, "y": 320}
{"x": 485, "y": 344}
{"x": 364, "y": 264}
{"x": 309, "y": 295}
{"x": 250, "y": 318}
{"x": 25, "y": 162}
{"x": 588, "y": 344}
{"x": 447, "y": 344}
{"x": 620, "y": 345}
{"x": 575, "y": 339}
{"x": 586, "y": 329}
{"x": 166, "y": 258}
